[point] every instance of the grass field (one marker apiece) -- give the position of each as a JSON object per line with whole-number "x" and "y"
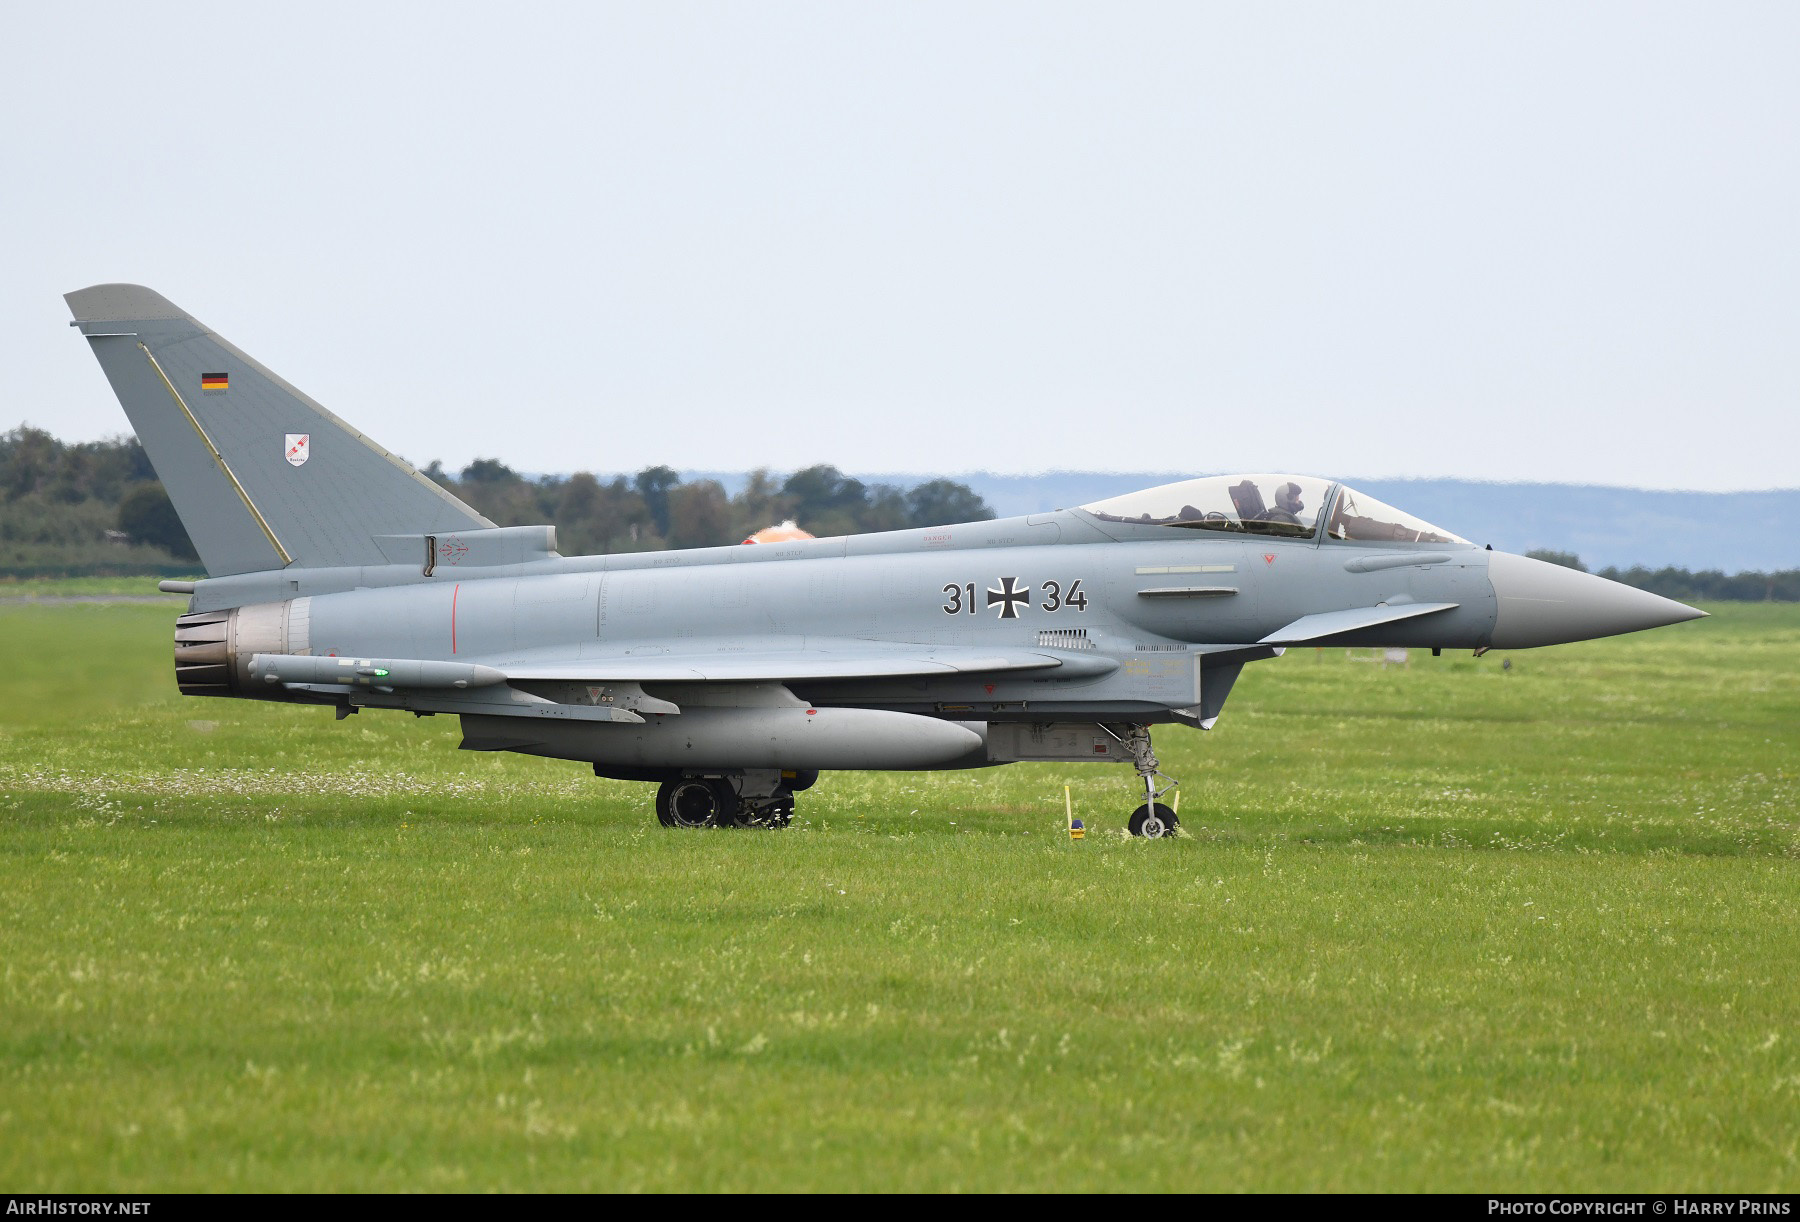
{"x": 1442, "y": 927}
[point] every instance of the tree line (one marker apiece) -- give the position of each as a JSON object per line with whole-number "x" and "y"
{"x": 656, "y": 509}
{"x": 95, "y": 507}
{"x": 1684, "y": 585}
{"x": 74, "y": 509}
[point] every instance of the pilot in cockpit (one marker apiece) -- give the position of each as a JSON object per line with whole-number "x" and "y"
{"x": 1287, "y": 500}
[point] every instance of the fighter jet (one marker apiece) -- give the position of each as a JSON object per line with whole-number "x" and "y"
{"x": 732, "y": 676}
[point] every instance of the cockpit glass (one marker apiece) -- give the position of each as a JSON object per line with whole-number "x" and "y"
{"x": 1241, "y": 504}
{"x": 1361, "y": 517}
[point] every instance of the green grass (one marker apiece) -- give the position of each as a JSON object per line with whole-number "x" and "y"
{"x": 1444, "y": 927}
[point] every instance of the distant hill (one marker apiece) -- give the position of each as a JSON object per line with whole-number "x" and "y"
{"x": 1622, "y": 527}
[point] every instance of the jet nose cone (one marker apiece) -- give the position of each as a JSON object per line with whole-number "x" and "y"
{"x": 1547, "y": 604}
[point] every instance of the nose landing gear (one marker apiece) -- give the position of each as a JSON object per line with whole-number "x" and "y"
{"x": 1153, "y": 820}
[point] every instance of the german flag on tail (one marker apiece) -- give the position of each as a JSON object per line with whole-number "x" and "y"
{"x": 212, "y": 382}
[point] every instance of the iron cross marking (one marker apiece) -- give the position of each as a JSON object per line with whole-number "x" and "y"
{"x": 1010, "y": 593}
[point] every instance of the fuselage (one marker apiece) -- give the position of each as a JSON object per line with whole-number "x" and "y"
{"x": 1157, "y": 600}
{"x": 988, "y": 582}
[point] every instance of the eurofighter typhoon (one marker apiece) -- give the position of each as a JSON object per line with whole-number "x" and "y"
{"x": 731, "y": 677}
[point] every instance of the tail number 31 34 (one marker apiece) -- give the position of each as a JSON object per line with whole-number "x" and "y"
{"x": 1009, "y": 594}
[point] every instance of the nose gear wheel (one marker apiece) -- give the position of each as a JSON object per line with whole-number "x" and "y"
{"x": 1154, "y": 819}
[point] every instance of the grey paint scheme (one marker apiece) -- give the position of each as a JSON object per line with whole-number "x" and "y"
{"x": 325, "y": 512}
{"x": 831, "y": 653}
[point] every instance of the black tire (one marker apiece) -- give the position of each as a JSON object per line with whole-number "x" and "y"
{"x": 1153, "y": 820}
{"x": 696, "y": 802}
{"x": 729, "y": 810}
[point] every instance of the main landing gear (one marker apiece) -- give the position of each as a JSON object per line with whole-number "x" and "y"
{"x": 764, "y": 797}
{"x": 1153, "y": 819}
{"x": 756, "y": 798}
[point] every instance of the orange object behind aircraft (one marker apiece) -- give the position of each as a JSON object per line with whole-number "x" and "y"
{"x": 786, "y": 532}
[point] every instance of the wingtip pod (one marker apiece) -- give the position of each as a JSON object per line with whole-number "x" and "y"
{"x": 1538, "y": 603}
{"x": 120, "y": 303}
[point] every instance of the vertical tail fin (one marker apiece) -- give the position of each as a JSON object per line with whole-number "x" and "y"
{"x": 262, "y": 476}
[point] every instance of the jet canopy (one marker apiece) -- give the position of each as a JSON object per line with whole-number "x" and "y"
{"x": 1357, "y": 516}
{"x": 1290, "y": 505}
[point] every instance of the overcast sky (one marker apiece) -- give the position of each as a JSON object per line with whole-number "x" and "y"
{"x": 1511, "y": 241}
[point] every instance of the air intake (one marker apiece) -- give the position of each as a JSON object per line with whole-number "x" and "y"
{"x": 1064, "y": 638}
